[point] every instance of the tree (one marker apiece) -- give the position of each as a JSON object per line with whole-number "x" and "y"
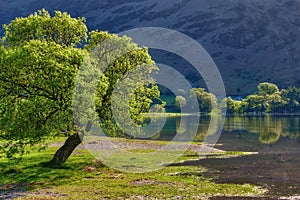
{"x": 275, "y": 103}
{"x": 180, "y": 101}
{"x": 267, "y": 88}
{"x": 130, "y": 57}
{"x": 255, "y": 103}
{"x": 206, "y": 100}
{"x": 229, "y": 105}
{"x": 241, "y": 106}
{"x": 40, "y": 57}
{"x": 292, "y": 98}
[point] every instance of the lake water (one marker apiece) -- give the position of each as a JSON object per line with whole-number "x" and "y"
{"x": 274, "y": 141}
{"x": 267, "y": 129}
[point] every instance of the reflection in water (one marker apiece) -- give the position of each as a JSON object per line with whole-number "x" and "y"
{"x": 267, "y": 127}
{"x": 275, "y": 165}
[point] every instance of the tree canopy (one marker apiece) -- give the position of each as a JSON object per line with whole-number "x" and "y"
{"x": 268, "y": 98}
{"x": 40, "y": 56}
{"x": 205, "y": 101}
{"x": 267, "y": 88}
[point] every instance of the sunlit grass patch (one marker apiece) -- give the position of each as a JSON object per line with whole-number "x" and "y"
{"x": 84, "y": 177}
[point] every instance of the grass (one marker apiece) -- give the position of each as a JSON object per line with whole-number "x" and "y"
{"x": 83, "y": 177}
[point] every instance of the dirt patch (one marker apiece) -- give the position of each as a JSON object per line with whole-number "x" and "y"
{"x": 18, "y": 190}
{"x": 45, "y": 194}
{"x": 105, "y": 144}
{"x": 253, "y": 198}
{"x": 127, "y": 144}
{"x": 13, "y": 193}
{"x": 142, "y": 182}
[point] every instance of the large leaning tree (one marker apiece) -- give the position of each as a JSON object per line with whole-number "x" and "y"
{"x": 40, "y": 56}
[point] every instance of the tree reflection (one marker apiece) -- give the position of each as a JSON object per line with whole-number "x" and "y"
{"x": 269, "y": 136}
{"x": 268, "y": 128}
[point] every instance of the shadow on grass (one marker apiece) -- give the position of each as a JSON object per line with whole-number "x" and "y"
{"x": 29, "y": 173}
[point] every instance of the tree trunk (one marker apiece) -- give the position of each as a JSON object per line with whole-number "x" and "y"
{"x": 64, "y": 152}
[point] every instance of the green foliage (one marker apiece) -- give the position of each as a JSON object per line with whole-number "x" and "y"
{"x": 180, "y": 101}
{"x": 127, "y": 73}
{"x": 61, "y": 29}
{"x": 268, "y": 99}
{"x": 275, "y": 103}
{"x": 36, "y": 81}
{"x": 267, "y": 88}
{"x": 240, "y": 106}
{"x": 158, "y": 108}
{"x": 198, "y": 100}
{"x": 292, "y": 98}
{"x": 40, "y": 57}
{"x": 255, "y": 103}
{"x": 206, "y": 101}
{"x": 229, "y": 105}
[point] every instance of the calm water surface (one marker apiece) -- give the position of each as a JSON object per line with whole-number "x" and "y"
{"x": 266, "y": 129}
{"x": 275, "y": 140}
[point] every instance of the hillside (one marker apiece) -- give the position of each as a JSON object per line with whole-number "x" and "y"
{"x": 251, "y": 41}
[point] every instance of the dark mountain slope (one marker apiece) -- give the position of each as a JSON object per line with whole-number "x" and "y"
{"x": 250, "y": 40}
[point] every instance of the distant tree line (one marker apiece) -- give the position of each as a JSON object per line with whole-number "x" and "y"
{"x": 268, "y": 99}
